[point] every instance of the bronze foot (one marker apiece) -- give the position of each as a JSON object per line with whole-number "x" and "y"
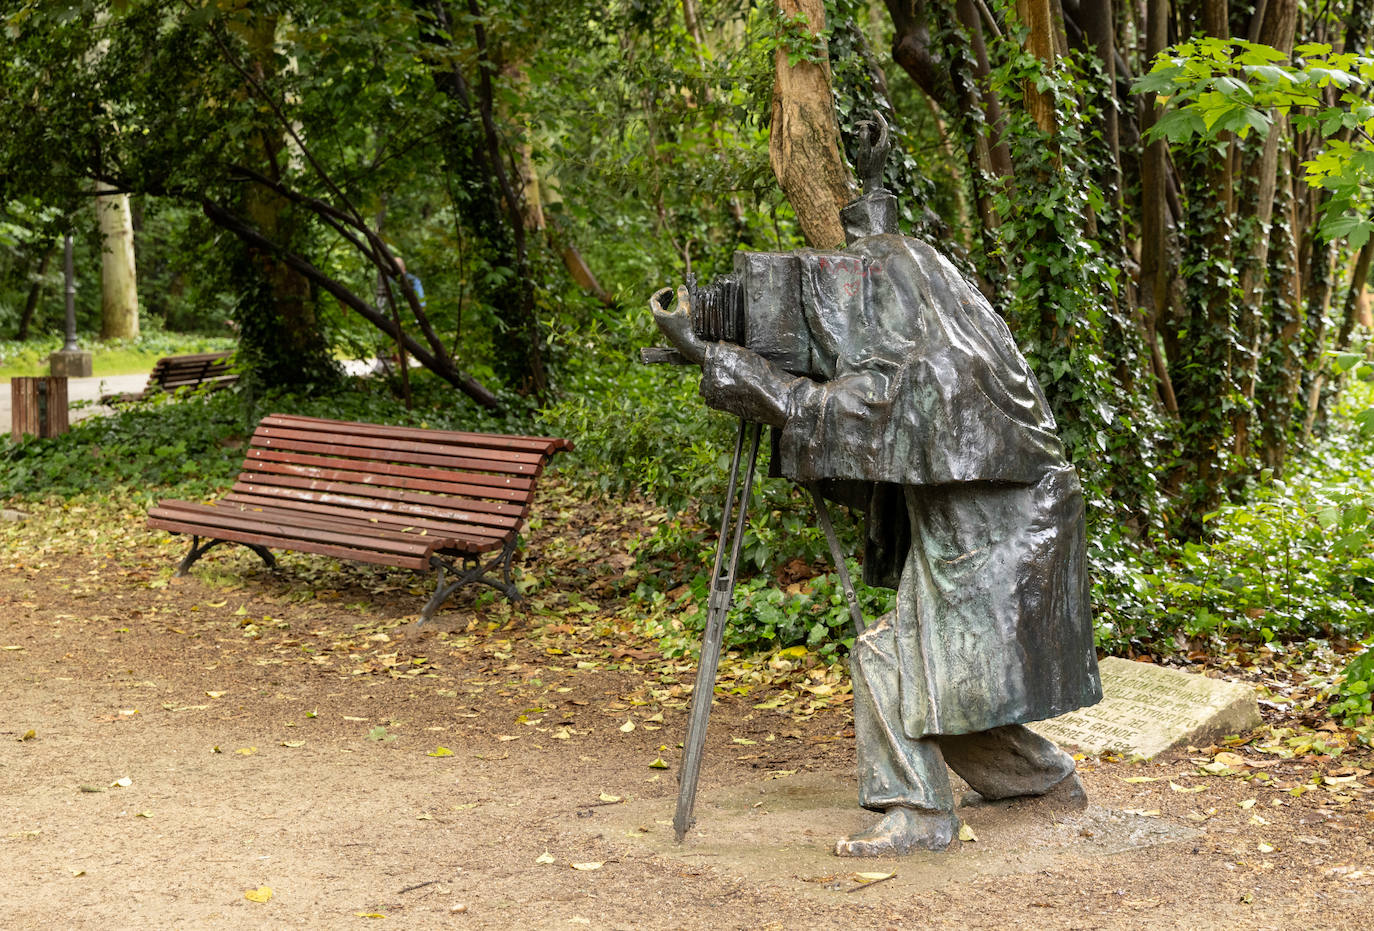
{"x": 1065, "y": 795}
{"x": 901, "y": 831}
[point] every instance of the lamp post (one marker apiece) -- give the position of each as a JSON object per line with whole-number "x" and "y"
{"x": 70, "y": 361}
{"x": 69, "y": 274}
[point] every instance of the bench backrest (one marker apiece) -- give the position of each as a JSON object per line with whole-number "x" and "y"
{"x": 474, "y": 488}
{"x": 197, "y": 370}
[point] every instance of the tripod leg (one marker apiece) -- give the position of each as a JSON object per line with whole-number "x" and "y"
{"x": 841, "y": 569}
{"x": 718, "y": 607}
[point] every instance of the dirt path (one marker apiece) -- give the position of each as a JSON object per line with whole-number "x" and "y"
{"x": 281, "y": 733}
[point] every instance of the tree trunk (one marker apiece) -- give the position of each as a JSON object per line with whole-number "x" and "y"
{"x": 278, "y": 325}
{"x": 1259, "y": 171}
{"x": 804, "y": 140}
{"x": 35, "y": 292}
{"x": 118, "y": 274}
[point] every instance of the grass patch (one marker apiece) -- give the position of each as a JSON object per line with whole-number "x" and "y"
{"x": 116, "y": 357}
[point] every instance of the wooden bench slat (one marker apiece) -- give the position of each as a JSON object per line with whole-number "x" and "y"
{"x": 406, "y": 444}
{"x": 544, "y": 445}
{"x": 293, "y": 527}
{"x": 377, "y": 498}
{"x": 472, "y": 534}
{"x": 420, "y": 454}
{"x": 301, "y": 546}
{"x": 506, "y": 488}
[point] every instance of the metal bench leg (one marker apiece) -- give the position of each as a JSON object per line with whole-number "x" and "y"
{"x": 478, "y": 573}
{"x": 199, "y": 549}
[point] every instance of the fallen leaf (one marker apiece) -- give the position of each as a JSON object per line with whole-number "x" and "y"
{"x": 658, "y": 764}
{"x": 28, "y": 735}
{"x": 1262, "y": 847}
{"x": 440, "y": 751}
{"x": 1137, "y": 779}
{"x": 260, "y": 894}
{"x": 123, "y": 782}
{"x": 608, "y": 799}
{"x": 561, "y": 734}
{"x": 1247, "y": 803}
{"x": 293, "y": 744}
{"x": 246, "y": 751}
{"x": 216, "y": 694}
{"x": 369, "y": 915}
{"x": 627, "y": 726}
{"x": 874, "y": 877}
{"x": 1178, "y": 788}
{"x": 966, "y": 833}
{"x": 592, "y": 865}
{"x": 743, "y": 740}
{"x": 545, "y": 857}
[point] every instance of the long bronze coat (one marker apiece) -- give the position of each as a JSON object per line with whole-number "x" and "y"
{"x": 927, "y": 416}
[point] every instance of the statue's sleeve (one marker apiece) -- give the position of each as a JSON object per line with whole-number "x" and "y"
{"x": 744, "y": 383}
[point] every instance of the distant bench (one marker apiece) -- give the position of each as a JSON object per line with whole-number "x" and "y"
{"x": 207, "y": 370}
{"x": 393, "y": 496}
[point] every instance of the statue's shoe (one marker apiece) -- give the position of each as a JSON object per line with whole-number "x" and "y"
{"x": 901, "y": 831}
{"x": 1066, "y": 795}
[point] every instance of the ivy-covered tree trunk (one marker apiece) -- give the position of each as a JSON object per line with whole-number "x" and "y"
{"x": 281, "y": 338}
{"x": 804, "y": 137}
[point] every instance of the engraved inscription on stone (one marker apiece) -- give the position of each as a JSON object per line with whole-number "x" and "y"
{"x": 1147, "y": 709}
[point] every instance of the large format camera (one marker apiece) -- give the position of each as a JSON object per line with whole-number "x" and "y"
{"x": 757, "y": 306}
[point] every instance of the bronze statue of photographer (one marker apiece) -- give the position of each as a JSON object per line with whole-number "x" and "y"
{"x": 896, "y": 388}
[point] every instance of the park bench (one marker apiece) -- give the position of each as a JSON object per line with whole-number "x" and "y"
{"x": 205, "y": 370}
{"x": 437, "y": 500}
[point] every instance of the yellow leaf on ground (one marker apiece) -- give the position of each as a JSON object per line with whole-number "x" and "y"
{"x": 627, "y": 726}
{"x": 217, "y": 694}
{"x": 658, "y": 764}
{"x": 966, "y": 833}
{"x": 561, "y": 734}
{"x": 28, "y": 735}
{"x": 440, "y": 751}
{"x": 1137, "y": 779}
{"x": 609, "y": 799}
{"x": 369, "y": 914}
{"x": 874, "y": 877}
{"x": 1247, "y": 803}
{"x": 293, "y": 744}
{"x": 593, "y": 865}
{"x": 544, "y": 857}
{"x": 246, "y": 751}
{"x": 123, "y": 782}
{"x": 260, "y": 894}
{"x": 743, "y": 740}
{"x": 1178, "y": 788}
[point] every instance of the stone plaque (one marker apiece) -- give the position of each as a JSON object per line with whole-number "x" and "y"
{"x": 1147, "y": 709}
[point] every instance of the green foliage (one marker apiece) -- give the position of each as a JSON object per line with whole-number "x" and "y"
{"x": 1213, "y": 86}
{"x": 1353, "y": 693}
{"x": 765, "y": 617}
{"x": 1295, "y": 562}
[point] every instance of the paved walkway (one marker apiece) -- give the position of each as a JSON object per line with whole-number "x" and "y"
{"x": 91, "y": 389}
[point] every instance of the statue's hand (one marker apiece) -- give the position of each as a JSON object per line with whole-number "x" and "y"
{"x": 676, "y": 324}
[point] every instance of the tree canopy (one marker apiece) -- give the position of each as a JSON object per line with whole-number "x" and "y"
{"x": 1150, "y": 235}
